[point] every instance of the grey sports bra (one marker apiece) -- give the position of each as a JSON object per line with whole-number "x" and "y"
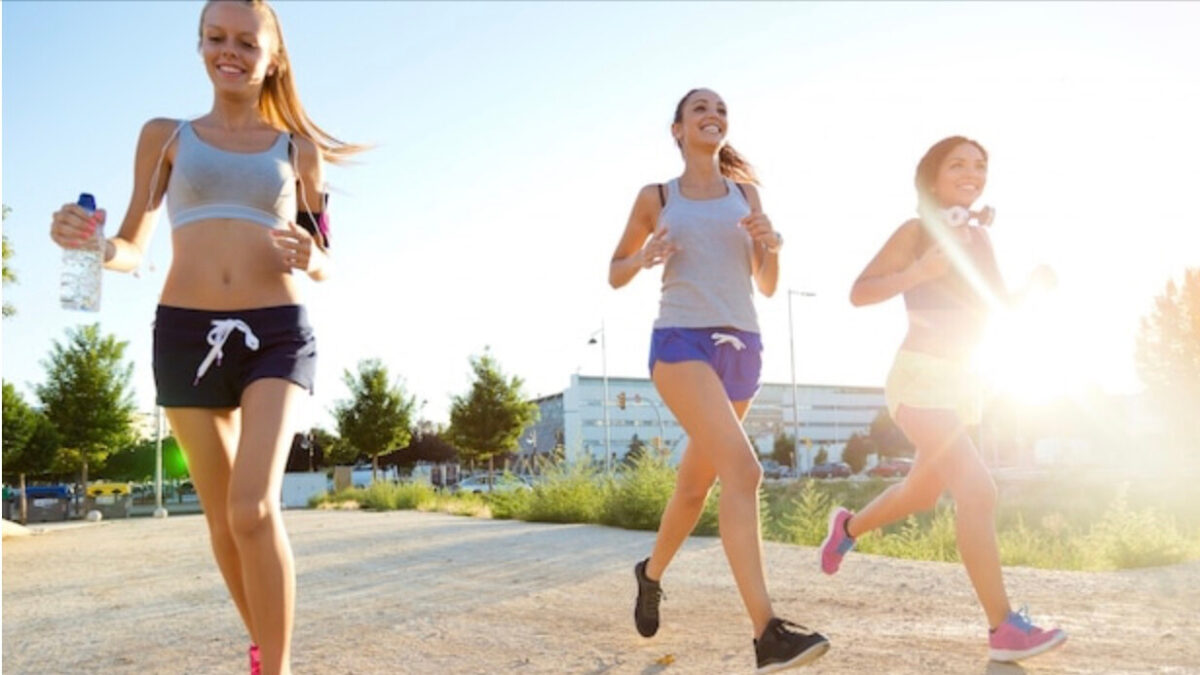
{"x": 207, "y": 182}
{"x": 962, "y": 289}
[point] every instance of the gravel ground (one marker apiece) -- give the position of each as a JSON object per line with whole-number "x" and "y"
{"x": 407, "y": 592}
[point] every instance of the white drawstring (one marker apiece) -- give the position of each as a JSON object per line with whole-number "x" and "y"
{"x": 221, "y": 330}
{"x": 727, "y": 339}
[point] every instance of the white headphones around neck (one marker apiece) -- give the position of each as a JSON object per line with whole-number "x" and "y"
{"x": 960, "y": 216}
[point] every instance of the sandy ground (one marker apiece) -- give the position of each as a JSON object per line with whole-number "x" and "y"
{"x": 406, "y": 592}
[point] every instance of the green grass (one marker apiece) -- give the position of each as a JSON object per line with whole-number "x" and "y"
{"x": 1055, "y": 523}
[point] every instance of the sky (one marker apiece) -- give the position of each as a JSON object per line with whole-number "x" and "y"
{"x": 511, "y": 138}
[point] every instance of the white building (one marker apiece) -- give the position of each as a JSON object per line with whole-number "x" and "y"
{"x": 574, "y": 418}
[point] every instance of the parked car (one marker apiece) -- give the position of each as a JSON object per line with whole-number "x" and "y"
{"x": 501, "y": 482}
{"x": 773, "y": 469}
{"x": 891, "y": 468}
{"x": 831, "y": 470}
{"x": 362, "y": 476}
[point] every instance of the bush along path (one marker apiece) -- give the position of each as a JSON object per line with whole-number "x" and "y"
{"x": 1090, "y": 527}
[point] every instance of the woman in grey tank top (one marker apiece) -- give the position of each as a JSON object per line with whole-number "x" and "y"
{"x": 233, "y": 351}
{"x": 708, "y": 230}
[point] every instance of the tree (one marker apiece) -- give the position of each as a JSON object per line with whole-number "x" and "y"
{"x": 10, "y": 277}
{"x": 637, "y": 448}
{"x": 426, "y": 444}
{"x": 1168, "y": 354}
{"x": 138, "y": 462}
{"x": 27, "y": 437}
{"x": 19, "y": 422}
{"x": 822, "y": 456}
{"x": 784, "y": 450}
{"x": 857, "y": 449}
{"x": 887, "y": 438}
{"x": 309, "y": 449}
{"x": 87, "y": 398}
{"x": 376, "y": 417}
{"x": 488, "y": 420}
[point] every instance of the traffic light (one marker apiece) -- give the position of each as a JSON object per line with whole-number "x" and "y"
{"x": 621, "y": 400}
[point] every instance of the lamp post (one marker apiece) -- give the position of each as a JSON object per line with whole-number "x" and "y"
{"x": 159, "y": 511}
{"x": 604, "y": 376}
{"x": 795, "y": 398}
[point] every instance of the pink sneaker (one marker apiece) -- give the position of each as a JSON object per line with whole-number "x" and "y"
{"x": 1017, "y": 638}
{"x": 255, "y": 662}
{"x": 837, "y": 543}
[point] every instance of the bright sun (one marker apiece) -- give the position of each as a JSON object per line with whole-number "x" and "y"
{"x": 1031, "y": 354}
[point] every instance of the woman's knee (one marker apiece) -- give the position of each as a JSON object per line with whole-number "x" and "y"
{"x": 745, "y": 475}
{"x": 249, "y": 515}
{"x": 219, "y": 528}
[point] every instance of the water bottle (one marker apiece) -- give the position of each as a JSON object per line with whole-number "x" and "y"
{"x": 83, "y": 267}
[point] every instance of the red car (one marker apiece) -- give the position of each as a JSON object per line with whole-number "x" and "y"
{"x": 891, "y": 468}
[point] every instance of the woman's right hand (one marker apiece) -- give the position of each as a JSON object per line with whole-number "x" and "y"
{"x": 657, "y": 250}
{"x": 71, "y": 225}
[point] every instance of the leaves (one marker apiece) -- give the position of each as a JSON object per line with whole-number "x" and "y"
{"x": 24, "y": 436}
{"x": 87, "y": 396}
{"x": 1168, "y": 350}
{"x": 10, "y": 276}
{"x": 488, "y": 420}
{"x": 377, "y": 416}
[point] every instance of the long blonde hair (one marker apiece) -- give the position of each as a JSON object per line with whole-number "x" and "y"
{"x": 279, "y": 103}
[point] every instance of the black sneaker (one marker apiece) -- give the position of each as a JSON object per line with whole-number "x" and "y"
{"x": 786, "y": 645}
{"x": 645, "y": 612}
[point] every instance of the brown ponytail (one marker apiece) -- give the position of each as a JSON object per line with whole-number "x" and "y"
{"x": 735, "y": 167}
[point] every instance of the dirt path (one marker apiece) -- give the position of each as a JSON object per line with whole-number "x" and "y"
{"x": 405, "y": 592}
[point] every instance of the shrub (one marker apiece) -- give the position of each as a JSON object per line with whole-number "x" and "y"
{"x": 639, "y": 495}
{"x": 568, "y": 494}
{"x": 513, "y": 504}
{"x": 804, "y": 518}
{"x": 1125, "y": 538}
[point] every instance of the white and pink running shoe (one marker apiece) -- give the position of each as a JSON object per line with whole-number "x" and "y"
{"x": 837, "y": 543}
{"x": 1017, "y": 638}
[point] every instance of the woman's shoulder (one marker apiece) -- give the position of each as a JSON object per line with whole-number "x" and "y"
{"x": 157, "y": 134}
{"x": 161, "y": 126}
{"x": 749, "y": 191}
{"x": 909, "y": 235}
{"x": 307, "y": 150}
{"x": 653, "y": 194}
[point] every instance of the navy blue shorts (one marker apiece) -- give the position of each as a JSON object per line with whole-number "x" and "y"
{"x": 205, "y": 359}
{"x": 735, "y": 355}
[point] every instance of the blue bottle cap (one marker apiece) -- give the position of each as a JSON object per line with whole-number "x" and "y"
{"x": 87, "y": 201}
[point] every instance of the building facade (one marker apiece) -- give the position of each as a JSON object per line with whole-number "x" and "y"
{"x": 823, "y": 415}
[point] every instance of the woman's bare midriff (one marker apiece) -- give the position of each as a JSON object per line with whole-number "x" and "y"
{"x": 225, "y": 264}
{"x": 946, "y": 334}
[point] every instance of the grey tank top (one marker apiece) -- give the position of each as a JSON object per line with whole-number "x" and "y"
{"x": 707, "y": 282}
{"x": 208, "y": 182}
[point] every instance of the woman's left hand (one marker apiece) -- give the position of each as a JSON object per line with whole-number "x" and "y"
{"x": 758, "y": 226}
{"x": 297, "y": 248}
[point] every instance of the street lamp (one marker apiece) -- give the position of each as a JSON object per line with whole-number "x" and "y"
{"x": 159, "y": 511}
{"x": 604, "y": 375}
{"x": 795, "y": 399}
